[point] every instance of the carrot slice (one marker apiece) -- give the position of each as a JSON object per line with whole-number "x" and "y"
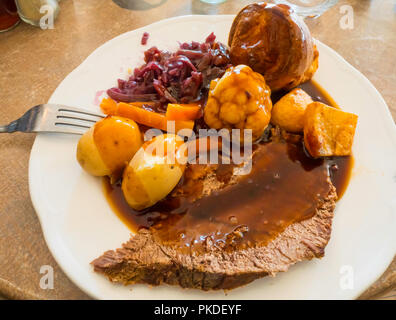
{"x": 151, "y": 119}
{"x": 183, "y": 111}
{"x": 183, "y": 124}
{"x": 148, "y": 118}
{"x": 142, "y": 116}
{"x": 108, "y": 106}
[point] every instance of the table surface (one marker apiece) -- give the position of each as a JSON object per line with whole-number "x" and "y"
{"x": 33, "y": 62}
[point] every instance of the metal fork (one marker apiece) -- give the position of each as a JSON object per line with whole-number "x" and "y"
{"x": 54, "y": 118}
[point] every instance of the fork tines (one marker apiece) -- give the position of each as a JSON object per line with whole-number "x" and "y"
{"x": 67, "y": 116}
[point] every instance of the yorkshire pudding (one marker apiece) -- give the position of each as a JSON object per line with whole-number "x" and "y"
{"x": 274, "y": 41}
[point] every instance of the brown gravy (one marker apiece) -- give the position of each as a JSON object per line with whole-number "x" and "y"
{"x": 284, "y": 187}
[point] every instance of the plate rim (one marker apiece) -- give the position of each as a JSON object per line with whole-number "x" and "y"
{"x": 52, "y": 240}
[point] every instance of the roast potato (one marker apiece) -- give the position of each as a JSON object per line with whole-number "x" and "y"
{"x": 107, "y": 147}
{"x": 274, "y": 41}
{"x": 288, "y": 112}
{"x": 240, "y": 99}
{"x": 154, "y": 171}
{"x": 328, "y": 131}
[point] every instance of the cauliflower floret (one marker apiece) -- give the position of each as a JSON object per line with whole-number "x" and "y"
{"x": 240, "y": 99}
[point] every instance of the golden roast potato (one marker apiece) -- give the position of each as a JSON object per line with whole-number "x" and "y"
{"x": 107, "y": 147}
{"x": 274, "y": 41}
{"x": 154, "y": 171}
{"x": 288, "y": 112}
{"x": 328, "y": 131}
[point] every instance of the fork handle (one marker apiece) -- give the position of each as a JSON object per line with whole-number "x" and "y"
{"x": 9, "y": 128}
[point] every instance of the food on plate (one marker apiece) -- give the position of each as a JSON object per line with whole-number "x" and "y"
{"x": 218, "y": 230}
{"x": 142, "y": 113}
{"x": 288, "y": 112}
{"x": 239, "y": 99}
{"x": 239, "y": 229}
{"x": 107, "y": 147}
{"x": 328, "y": 131}
{"x": 179, "y": 111}
{"x": 274, "y": 41}
{"x": 177, "y": 77}
{"x": 221, "y": 224}
{"x": 108, "y": 106}
{"x": 145, "y": 38}
{"x": 154, "y": 171}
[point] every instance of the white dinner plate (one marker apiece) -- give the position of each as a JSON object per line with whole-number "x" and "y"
{"x": 79, "y": 225}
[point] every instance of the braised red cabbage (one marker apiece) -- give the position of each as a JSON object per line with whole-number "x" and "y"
{"x": 182, "y": 76}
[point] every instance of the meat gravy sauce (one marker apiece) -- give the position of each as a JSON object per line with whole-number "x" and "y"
{"x": 284, "y": 186}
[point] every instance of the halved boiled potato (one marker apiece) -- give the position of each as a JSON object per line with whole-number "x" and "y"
{"x": 154, "y": 171}
{"x": 107, "y": 147}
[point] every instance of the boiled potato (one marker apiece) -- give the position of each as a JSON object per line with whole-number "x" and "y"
{"x": 154, "y": 171}
{"x": 328, "y": 131}
{"x": 288, "y": 112}
{"x": 88, "y": 155}
{"x": 107, "y": 147}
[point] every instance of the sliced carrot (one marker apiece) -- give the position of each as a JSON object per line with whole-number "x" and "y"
{"x": 108, "y": 106}
{"x": 183, "y": 111}
{"x": 183, "y": 124}
{"x": 142, "y": 116}
{"x": 151, "y": 119}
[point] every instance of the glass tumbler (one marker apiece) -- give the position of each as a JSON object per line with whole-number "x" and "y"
{"x": 29, "y": 10}
{"x": 309, "y": 8}
{"x": 8, "y": 15}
